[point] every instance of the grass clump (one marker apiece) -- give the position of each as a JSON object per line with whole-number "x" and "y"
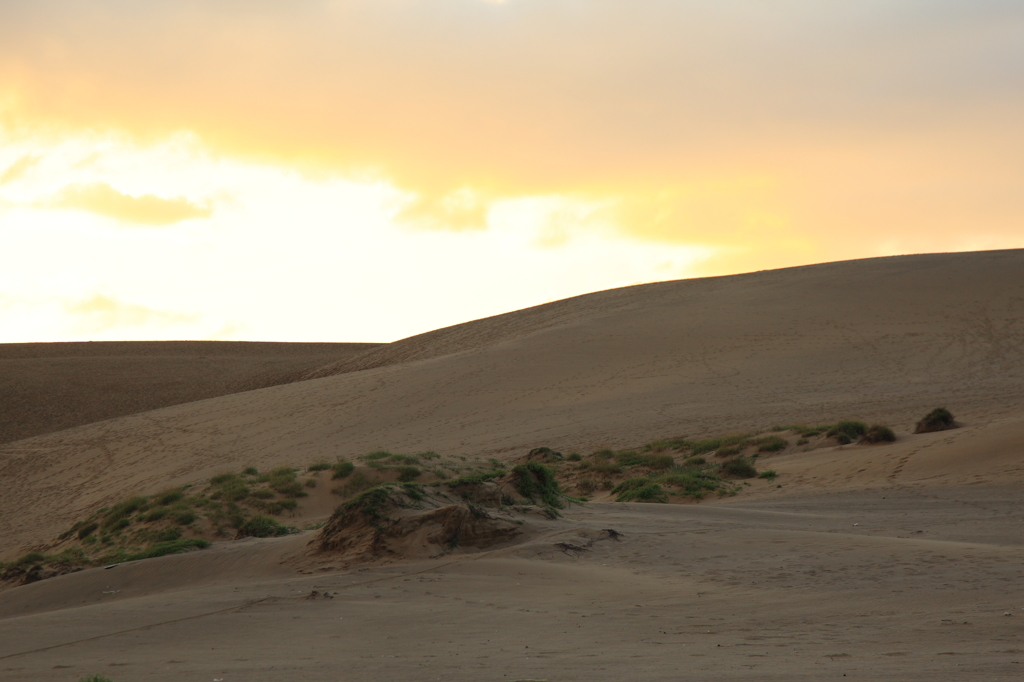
{"x": 169, "y": 497}
{"x": 229, "y": 487}
{"x": 939, "y": 419}
{"x": 184, "y": 517}
{"x": 878, "y": 434}
{"x": 122, "y": 510}
{"x": 476, "y": 478}
{"x": 639, "y": 490}
{"x": 771, "y": 443}
{"x": 168, "y": 547}
{"x": 534, "y": 481}
{"x": 713, "y": 444}
{"x": 95, "y": 678}
{"x": 739, "y": 467}
{"x": 87, "y": 530}
{"x": 283, "y": 480}
{"x": 847, "y": 431}
{"x": 370, "y": 504}
{"x": 629, "y": 458}
{"x": 321, "y": 465}
{"x": 356, "y": 483}
{"x": 769, "y": 475}
{"x": 260, "y": 526}
{"x": 407, "y": 474}
{"x": 690, "y": 483}
{"x": 342, "y": 470}
{"x": 155, "y": 515}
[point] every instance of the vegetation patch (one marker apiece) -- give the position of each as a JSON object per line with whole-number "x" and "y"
{"x": 878, "y": 434}
{"x": 476, "y": 478}
{"x": 342, "y": 469}
{"x": 939, "y": 419}
{"x": 847, "y": 431}
{"x": 770, "y": 443}
{"x": 262, "y": 527}
{"x": 739, "y": 467}
{"x": 536, "y": 482}
{"x": 639, "y": 490}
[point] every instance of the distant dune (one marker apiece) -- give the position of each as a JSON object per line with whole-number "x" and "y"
{"x": 46, "y": 387}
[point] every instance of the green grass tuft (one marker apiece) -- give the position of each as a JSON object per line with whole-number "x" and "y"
{"x": 260, "y": 526}
{"x": 847, "y": 431}
{"x": 408, "y": 473}
{"x": 771, "y": 443}
{"x": 342, "y": 469}
{"x": 739, "y": 467}
{"x": 168, "y": 547}
{"x": 639, "y": 490}
{"x": 878, "y": 434}
{"x": 534, "y": 481}
{"x": 939, "y": 419}
{"x": 476, "y": 478}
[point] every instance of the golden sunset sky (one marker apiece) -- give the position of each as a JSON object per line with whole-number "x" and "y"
{"x": 363, "y": 170}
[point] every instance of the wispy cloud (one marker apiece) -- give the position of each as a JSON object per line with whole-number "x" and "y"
{"x": 100, "y": 314}
{"x": 19, "y": 168}
{"x": 146, "y": 209}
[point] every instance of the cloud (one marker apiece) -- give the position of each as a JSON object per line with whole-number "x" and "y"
{"x": 101, "y": 313}
{"x": 19, "y": 168}
{"x": 462, "y": 209}
{"x": 147, "y": 209}
{"x": 859, "y": 118}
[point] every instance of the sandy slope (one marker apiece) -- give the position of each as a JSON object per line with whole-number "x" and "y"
{"x": 885, "y": 562}
{"x": 46, "y": 387}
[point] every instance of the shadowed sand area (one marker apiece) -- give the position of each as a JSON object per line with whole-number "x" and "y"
{"x": 46, "y": 387}
{"x": 898, "y": 561}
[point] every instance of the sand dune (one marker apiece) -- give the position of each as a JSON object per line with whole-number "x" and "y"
{"x": 47, "y": 387}
{"x": 893, "y": 561}
{"x": 882, "y": 340}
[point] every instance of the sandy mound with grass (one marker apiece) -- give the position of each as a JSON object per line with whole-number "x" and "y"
{"x": 46, "y": 387}
{"x": 410, "y": 522}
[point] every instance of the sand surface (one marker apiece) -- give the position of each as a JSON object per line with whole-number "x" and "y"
{"x": 46, "y": 387}
{"x": 901, "y": 561}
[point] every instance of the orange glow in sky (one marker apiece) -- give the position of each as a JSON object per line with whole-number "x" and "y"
{"x": 353, "y": 170}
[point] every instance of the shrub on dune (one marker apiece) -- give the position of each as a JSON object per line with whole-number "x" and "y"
{"x": 878, "y": 434}
{"x": 261, "y": 527}
{"x": 739, "y": 467}
{"x": 846, "y": 431}
{"x": 939, "y": 419}
{"x": 639, "y": 490}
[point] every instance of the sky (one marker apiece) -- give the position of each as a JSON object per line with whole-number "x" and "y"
{"x": 365, "y": 170}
